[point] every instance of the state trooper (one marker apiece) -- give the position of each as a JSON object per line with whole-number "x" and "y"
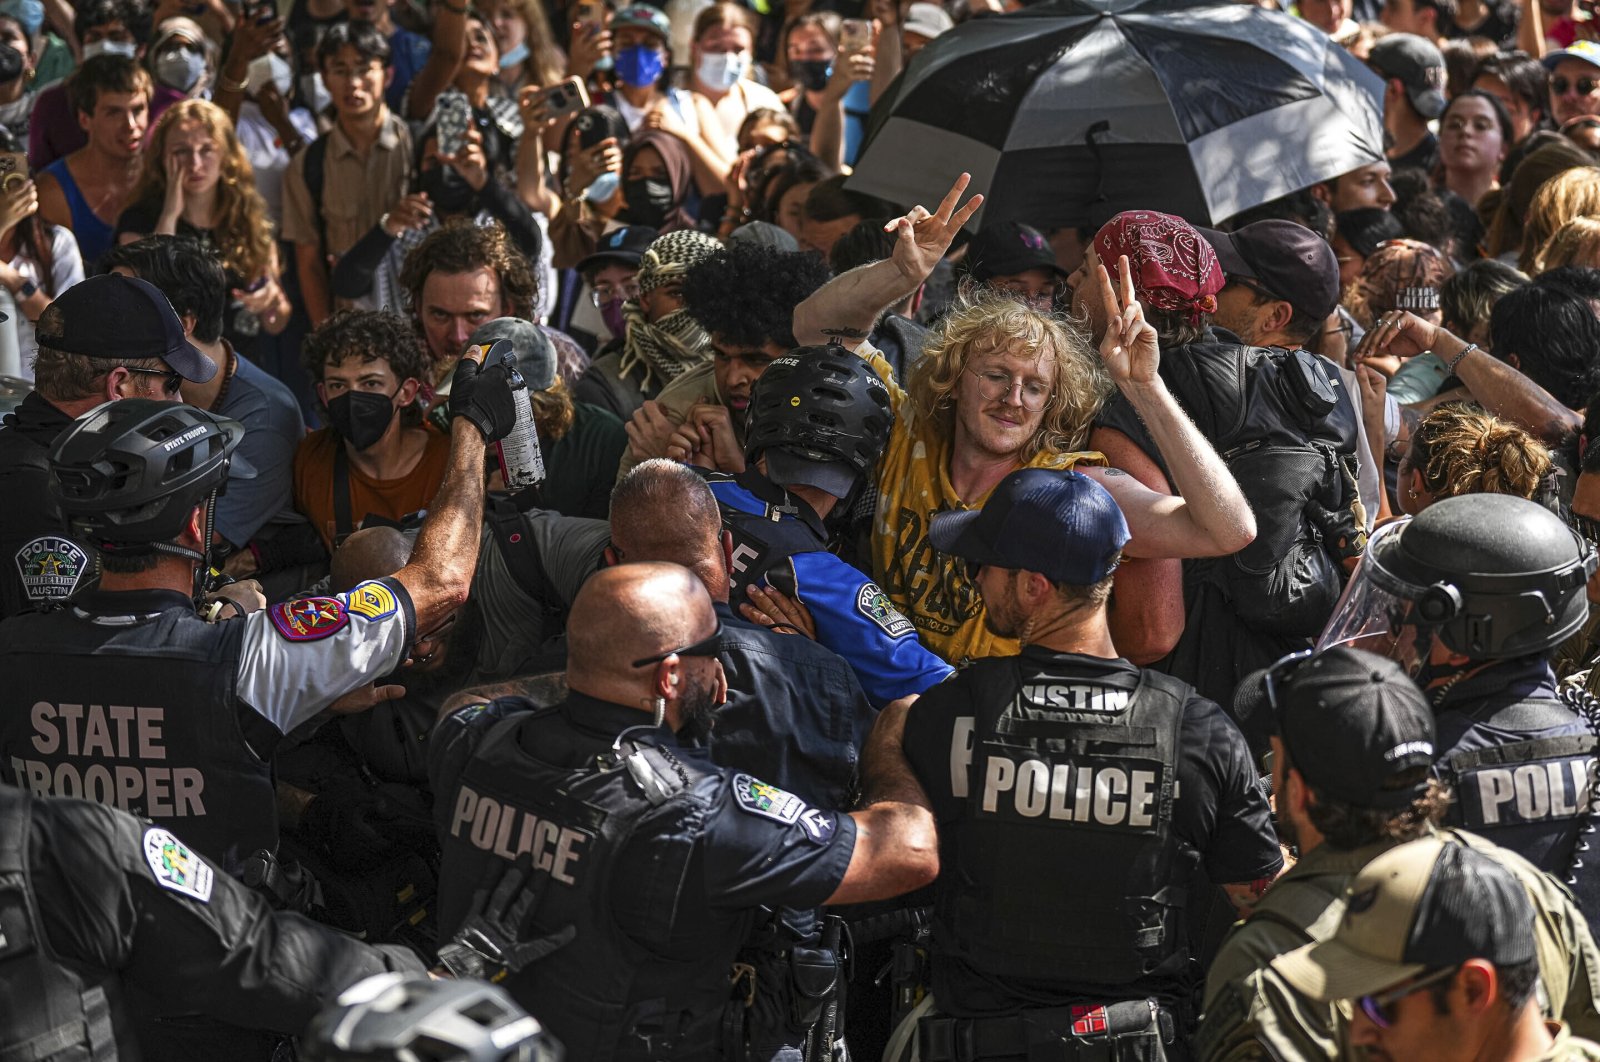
{"x": 102, "y": 914}
{"x": 1471, "y": 597}
{"x": 651, "y": 862}
{"x": 130, "y": 698}
{"x": 1076, "y": 795}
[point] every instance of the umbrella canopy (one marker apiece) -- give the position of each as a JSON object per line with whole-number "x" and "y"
{"x": 1071, "y": 110}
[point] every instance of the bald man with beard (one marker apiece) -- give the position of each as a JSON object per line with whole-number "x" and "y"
{"x": 653, "y": 857}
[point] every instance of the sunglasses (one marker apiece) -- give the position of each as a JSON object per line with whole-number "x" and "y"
{"x": 710, "y": 645}
{"x": 171, "y": 379}
{"x": 1379, "y": 1008}
{"x": 1280, "y": 673}
{"x": 1584, "y": 85}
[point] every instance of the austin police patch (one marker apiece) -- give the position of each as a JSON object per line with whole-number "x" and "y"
{"x": 175, "y": 867}
{"x": 51, "y": 568}
{"x": 874, "y": 604}
{"x": 759, "y": 798}
{"x": 309, "y": 618}
{"x": 372, "y": 600}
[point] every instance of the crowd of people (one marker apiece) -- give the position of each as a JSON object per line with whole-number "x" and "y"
{"x": 927, "y": 638}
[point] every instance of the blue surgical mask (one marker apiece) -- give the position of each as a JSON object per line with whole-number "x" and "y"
{"x": 640, "y": 65}
{"x": 517, "y": 55}
{"x": 180, "y": 68}
{"x": 720, "y": 71}
{"x": 603, "y": 187}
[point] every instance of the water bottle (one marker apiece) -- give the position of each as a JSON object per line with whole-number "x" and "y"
{"x": 521, "y": 460}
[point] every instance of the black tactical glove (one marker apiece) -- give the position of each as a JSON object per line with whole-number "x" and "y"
{"x": 482, "y": 394}
{"x": 487, "y": 945}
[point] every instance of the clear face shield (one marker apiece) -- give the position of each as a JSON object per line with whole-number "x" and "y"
{"x": 1378, "y": 611}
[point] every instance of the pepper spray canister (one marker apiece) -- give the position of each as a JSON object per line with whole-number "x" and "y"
{"x": 521, "y": 460}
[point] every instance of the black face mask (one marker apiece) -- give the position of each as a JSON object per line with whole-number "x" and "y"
{"x": 447, "y": 190}
{"x": 361, "y": 417}
{"x": 810, "y": 74}
{"x": 649, "y": 201}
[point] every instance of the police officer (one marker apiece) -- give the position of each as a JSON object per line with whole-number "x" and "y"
{"x": 109, "y": 337}
{"x": 395, "y": 1018}
{"x": 128, "y": 697}
{"x": 1471, "y": 597}
{"x": 652, "y": 860}
{"x": 818, "y": 420}
{"x": 1076, "y": 794}
{"x": 96, "y": 905}
{"x": 1352, "y": 749}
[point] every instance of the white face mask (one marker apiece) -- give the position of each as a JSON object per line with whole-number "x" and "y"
{"x": 180, "y": 69}
{"x": 270, "y": 69}
{"x": 316, "y": 94}
{"x": 122, "y": 48}
{"x": 720, "y": 71}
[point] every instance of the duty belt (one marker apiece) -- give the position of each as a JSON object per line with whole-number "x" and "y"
{"x": 1044, "y": 1033}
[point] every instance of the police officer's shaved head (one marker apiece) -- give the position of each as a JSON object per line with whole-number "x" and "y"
{"x": 370, "y": 553}
{"x": 628, "y": 613}
{"x": 664, "y": 511}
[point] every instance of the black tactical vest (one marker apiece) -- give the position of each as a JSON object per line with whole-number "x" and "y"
{"x": 1067, "y": 811}
{"x": 46, "y": 1012}
{"x": 142, "y": 717}
{"x": 1532, "y": 796}
{"x": 605, "y": 995}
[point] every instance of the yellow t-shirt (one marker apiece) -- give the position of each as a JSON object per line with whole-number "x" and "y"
{"x": 928, "y": 587}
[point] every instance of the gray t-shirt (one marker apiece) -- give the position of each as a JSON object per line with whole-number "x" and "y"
{"x": 516, "y": 623}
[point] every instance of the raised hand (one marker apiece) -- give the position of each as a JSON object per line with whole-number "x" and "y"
{"x": 1130, "y": 349}
{"x": 1399, "y": 334}
{"x": 923, "y": 238}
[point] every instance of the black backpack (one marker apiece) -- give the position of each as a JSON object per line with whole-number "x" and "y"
{"x": 1287, "y": 429}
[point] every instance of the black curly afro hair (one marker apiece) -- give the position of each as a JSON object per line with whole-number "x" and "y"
{"x": 745, "y": 295}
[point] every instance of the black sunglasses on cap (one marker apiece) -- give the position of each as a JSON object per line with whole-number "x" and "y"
{"x": 171, "y": 379}
{"x": 710, "y": 645}
{"x": 1280, "y": 673}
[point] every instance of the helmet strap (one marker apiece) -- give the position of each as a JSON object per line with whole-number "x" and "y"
{"x": 204, "y": 581}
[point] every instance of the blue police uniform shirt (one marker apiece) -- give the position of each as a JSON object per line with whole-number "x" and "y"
{"x": 853, "y": 616}
{"x": 757, "y": 846}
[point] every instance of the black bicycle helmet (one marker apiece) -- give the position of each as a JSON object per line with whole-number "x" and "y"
{"x": 822, "y": 404}
{"x": 396, "y": 1017}
{"x": 129, "y": 473}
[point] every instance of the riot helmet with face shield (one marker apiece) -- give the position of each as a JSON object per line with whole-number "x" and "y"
{"x": 1493, "y": 576}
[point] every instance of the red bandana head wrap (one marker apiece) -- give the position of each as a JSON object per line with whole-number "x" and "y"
{"x": 1173, "y": 266}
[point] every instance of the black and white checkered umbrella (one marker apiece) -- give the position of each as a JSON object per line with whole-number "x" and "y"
{"x": 1072, "y": 110}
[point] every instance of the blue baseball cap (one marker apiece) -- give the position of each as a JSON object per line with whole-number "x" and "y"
{"x": 1063, "y": 525}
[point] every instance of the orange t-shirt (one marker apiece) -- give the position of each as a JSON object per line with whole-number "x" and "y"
{"x": 388, "y": 498}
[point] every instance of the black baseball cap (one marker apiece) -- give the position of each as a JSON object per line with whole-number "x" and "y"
{"x": 625, "y": 246}
{"x": 1008, "y": 248}
{"x": 1355, "y": 725}
{"x": 1061, "y": 524}
{"x": 1429, "y": 904}
{"x": 113, "y": 317}
{"x": 1285, "y": 259}
{"x": 789, "y": 469}
{"x": 1418, "y": 65}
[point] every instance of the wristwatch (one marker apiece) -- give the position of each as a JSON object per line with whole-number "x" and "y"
{"x": 28, "y": 290}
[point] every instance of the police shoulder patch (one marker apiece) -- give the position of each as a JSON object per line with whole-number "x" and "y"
{"x": 758, "y": 798}
{"x": 372, "y": 601}
{"x": 309, "y": 618}
{"x": 175, "y": 867}
{"x": 874, "y": 604}
{"x": 51, "y": 568}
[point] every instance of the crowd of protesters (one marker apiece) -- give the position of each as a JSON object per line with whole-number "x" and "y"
{"x": 928, "y": 637}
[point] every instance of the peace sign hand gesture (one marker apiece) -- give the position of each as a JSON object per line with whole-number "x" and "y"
{"x": 1129, "y": 350}
{"x": 923, "y": 238}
